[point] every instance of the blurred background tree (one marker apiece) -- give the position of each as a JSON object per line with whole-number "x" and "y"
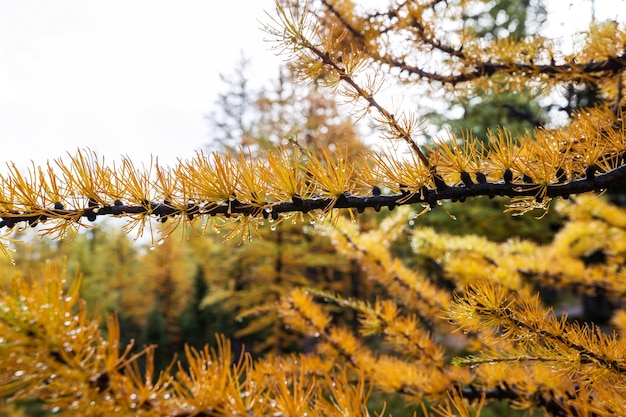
{"x": 476, "y": 112}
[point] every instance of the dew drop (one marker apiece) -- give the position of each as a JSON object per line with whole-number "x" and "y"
{"x": 273, "y": 228}
{"x": 152, "y": 248}
{"x": 19, "y": 373}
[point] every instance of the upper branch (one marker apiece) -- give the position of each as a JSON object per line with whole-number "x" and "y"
{"x": 475, "y": 64}
{"x": 570, "y": 71}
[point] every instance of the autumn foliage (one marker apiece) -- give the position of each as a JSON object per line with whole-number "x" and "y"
{"x": 458, "y": 325}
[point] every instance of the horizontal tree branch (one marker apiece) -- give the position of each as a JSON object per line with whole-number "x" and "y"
{"x": 164, "y": 210}
{"x": 506, "y": 392}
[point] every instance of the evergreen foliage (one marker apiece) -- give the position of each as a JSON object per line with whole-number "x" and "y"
{"x": 473, "y": 329}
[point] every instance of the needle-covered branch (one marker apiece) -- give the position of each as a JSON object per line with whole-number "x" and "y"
{"x": 212, "y": 186}
{"x": 460, "y": 57}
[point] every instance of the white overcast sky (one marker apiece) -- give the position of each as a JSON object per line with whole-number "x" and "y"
{"x": 132, "y": 77}
{"x": 136, "y": 77}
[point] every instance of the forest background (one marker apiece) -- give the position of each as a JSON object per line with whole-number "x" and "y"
{"x": 170, "y": 293}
